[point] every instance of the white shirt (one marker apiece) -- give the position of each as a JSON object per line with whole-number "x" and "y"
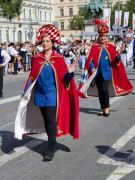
{"x": 6, "y": 57}
{"x": 12, "y": 51}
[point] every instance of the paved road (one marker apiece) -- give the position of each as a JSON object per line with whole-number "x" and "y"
{"x": 105, "y": 151}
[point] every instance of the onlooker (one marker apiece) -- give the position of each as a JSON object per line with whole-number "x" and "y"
{"x": 3, "y": 55}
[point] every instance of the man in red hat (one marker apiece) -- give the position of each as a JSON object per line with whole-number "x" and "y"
{"x": 50, "y": 98}
{"x": 105, "y": 70}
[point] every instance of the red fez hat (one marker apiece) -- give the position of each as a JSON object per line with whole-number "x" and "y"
{"x": 50, "y": 31}
{"x": 102, "y": 26}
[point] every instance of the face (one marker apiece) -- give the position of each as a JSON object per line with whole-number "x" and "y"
{"x": 47, "y": 43}
{"x": 103, "y": 39}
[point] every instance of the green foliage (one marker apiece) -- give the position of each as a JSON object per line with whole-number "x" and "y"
{"x": 77, "y": 22}
{"x": 10, "y": 8}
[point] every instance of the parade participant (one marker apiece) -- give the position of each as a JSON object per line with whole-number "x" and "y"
{"x": 134, "y": 50}
{"x": 123, "y": 54}
{"x": 4, "y": 59}
{"x": 83, "y": 55}
{"x": 129, "y": 44}
{"x": 50, "y": 95}
{"x": 105, "y": 68}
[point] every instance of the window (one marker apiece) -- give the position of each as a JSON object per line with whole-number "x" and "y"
{"x": 40, "y": 16}
{"x": 13, "y": 35}
{"x": 62, "y": 25}
{"x": 7, "y": 35}
{"x": 24, "y": 13}
{"x": 20, "y": 36}
{"x": 29, "y": 14}
{"x": 26, "y": 36}
{"x": 50, "y": 16}
{"x": 61, "y": 12}
{"x": 45, "y": 17}
{"x": 70, "y": 11}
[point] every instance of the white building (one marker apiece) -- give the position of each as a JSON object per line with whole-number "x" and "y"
{"x": 34, "y": 14}
{"x": 64, "y": 12}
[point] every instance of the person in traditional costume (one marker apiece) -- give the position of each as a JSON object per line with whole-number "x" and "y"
{"x": 134, "y": 50}
{"x": 104, "y": 73}
{"x": 50, "y": 99}
{"x": 129, "y": 46}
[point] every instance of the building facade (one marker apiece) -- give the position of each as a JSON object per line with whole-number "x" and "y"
{"x": 64, "y": 12}
{"x": 34, "y": 14}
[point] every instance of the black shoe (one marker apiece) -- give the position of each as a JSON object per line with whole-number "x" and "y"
{"x": 49, "y": 155}
{"x": 104, "y": 114}
{"x": 1, "y": 95}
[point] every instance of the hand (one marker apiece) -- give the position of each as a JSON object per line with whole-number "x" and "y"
{"x": 0, "y": 65}
{"x": 72, "y": 67}
{"x": 93, "y": 70}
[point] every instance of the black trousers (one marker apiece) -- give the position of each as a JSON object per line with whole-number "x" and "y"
{"x": 49, "y": 115}
{"x": 103, "y": 93}
{"x": 133, "y": 63}
{"x": 1, "y": 80}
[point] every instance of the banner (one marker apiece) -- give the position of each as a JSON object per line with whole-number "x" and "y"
{"x": 133, "y": 21}
{"x": 118, "y": 17}
{"x": 107, "y": 15}
{"x": 126, "y": 17}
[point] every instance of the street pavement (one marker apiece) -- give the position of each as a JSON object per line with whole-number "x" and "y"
{"x": 105, "y": 150}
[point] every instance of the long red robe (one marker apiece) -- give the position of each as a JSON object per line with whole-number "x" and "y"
{"x": 67, "y": 98}
{"x": 120, "y": 83}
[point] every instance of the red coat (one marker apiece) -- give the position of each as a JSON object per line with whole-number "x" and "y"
{"x": 67, "y": 98}
{"x": 120, "y": 83}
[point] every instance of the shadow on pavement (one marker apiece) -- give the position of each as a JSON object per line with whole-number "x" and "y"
{"x": 9, "y": 143}
{"x": 93, "y": 111}
{"x": 127, "y": 157}
{"x": 90, "y": 110}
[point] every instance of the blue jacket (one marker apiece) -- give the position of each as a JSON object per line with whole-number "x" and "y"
{"x": 104, "y": 66}
{"x": 134, "y": 48}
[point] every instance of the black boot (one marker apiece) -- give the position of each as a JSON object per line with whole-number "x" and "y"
{"x": 49, "y": 154}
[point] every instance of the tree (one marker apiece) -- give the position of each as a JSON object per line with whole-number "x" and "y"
{"x": 77, "y": 22}
{"x": 10, "y": 8}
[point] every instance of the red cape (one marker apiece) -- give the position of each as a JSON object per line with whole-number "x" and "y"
{"x": 121, "y": 84}
{"x": 67, "y": 98}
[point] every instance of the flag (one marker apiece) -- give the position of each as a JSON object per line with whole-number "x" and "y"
{"x": 107, "y": 15}
{"x": 118, "y": 17}
{"x": 126, "y": 17}
{"x": 133, "y": 20}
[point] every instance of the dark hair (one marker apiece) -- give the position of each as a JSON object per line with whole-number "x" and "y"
{"x": 11, "y": 44}
{"x": 53, "y": 46}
